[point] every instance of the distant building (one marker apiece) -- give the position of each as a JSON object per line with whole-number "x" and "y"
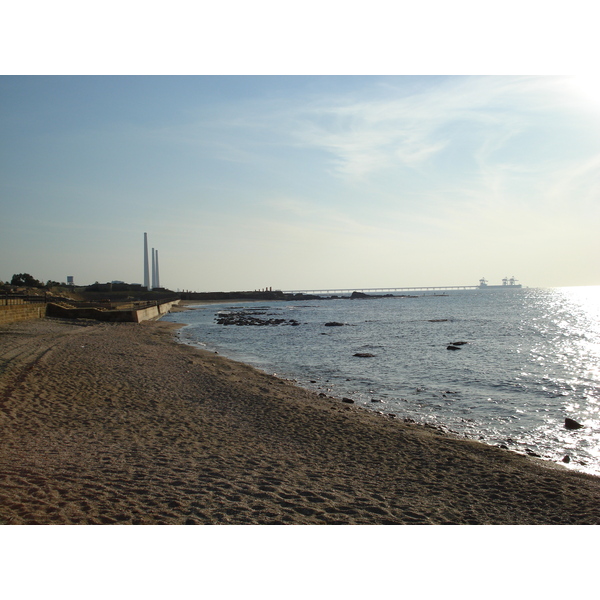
{"x": 70, "y": 280}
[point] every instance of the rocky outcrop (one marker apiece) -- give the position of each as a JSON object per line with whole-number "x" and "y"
{"x": 572, "y": 424}
{"x": 245, "y": 318}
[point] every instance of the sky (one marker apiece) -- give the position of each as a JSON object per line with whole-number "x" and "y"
{"x": 301, "y": 182}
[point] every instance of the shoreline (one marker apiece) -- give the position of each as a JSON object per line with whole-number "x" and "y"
{"x": 442, "y": 428}
{"x": 121, "y": 423}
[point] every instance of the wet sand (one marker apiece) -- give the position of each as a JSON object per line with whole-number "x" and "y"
{"x": 117, "y": 423}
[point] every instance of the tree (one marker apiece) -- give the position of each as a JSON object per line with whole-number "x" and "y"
{"x": 25, "y": 279}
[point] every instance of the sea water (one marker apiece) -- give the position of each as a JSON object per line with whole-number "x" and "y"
{"x": 531, "y": 359}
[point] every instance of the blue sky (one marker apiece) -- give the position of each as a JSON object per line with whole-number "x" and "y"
{"x": 301, "y": 182}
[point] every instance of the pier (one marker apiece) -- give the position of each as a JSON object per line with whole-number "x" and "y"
{"x": 386, "y": 290}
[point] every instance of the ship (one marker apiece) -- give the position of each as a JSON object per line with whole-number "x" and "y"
{"x": 507, "y": 284}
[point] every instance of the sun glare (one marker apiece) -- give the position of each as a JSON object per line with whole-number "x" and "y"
{"x": 587, "y": 86}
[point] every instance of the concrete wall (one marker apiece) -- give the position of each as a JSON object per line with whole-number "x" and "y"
{"x": 131, "y": 316}
{"x": 21, "y": 312}
{"x": 154, "y": 312}
{"x": 145, "y": 314}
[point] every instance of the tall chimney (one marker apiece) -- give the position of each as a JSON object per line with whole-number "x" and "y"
{"x": 146, "y": 270}
{"x": 153, "y": 271}
{"x": 156, "y": 266}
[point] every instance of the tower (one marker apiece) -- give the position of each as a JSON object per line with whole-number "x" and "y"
{"x": 146, "y": 270}
{"x": 153, "y": 271}
{"x": 156, "y": 268}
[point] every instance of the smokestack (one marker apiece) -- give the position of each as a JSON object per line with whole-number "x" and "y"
{"x": 146, "y": 271}
{"x": 153, "y": 271}
{"x": 157, "y": 277}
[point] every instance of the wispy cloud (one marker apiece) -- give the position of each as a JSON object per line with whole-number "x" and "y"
{"x": 478, "y": 116}
{"x": 364, "y": 137}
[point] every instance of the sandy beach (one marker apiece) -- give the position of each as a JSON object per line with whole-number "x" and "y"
{"x": 119, "y": 424}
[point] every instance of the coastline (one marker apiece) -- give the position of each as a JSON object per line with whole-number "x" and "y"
{"x": 120, "y": 423}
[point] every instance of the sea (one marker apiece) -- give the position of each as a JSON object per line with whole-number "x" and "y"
{"x": 505, "y": 367}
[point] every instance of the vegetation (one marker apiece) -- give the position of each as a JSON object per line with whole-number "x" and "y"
{"x": 26, "y": 280}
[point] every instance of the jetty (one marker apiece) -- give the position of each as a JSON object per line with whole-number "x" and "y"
{"x": 385, "y": 290}
{"x": 483, "y": 285}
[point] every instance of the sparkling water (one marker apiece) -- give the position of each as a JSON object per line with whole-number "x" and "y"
{"x": 531, "y": 359}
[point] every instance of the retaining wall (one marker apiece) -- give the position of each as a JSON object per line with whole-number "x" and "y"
{"x": 21, "y": 312}
{"x": 130, "y": 316}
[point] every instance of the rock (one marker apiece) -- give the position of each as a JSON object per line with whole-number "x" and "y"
{"x": 364, "y": 355}
{"x": 451, "y": 347}
{"x": 571, "y": 424}
{"x": 531, "y": 453}
{"x": 334, "y": 324}
{"x": 376, "y": 400}
{"x": 245, "y": 318}
{"x": 348, "y": 400}
{"x": 459, "y": 343}
{"x": 358, "y": 295}
{"x": 566, "y": 459}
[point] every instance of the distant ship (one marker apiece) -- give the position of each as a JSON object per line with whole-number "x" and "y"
{"x": 507, "y": 284}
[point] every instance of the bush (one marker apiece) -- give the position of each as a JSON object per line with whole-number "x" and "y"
{"x": 25, "y": 279}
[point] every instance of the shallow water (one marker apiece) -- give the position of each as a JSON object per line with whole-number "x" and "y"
{"x": 531, "y": 359}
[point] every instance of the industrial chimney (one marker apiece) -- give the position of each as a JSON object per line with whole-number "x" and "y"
{"x": 156, "y": 269}
{"x": 153, "y": 270}
{"x": 146, "y": 270}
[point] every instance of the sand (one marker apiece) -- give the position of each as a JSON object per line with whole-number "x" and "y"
{"x": 106, "y": 423}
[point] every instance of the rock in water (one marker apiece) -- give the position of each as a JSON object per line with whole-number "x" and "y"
{"x": 451, "y": 347}
{"x": 571, "y": 424}
{"x": 364, "y": 355}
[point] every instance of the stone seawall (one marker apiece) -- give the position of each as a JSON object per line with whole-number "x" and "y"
{"x": 153, "y": 312}
{"x": 130, "y": 316}
{"x": 21, "y": 312}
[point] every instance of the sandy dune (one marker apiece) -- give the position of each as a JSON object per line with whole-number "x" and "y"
{"x": 117, "y": 423}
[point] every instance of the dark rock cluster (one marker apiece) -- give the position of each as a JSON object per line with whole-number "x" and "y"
{"x": 250, "y": 318}
{"x": 455, "y": 345}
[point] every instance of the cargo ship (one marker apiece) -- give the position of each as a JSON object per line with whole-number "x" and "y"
{"x": 507, "y": 284}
